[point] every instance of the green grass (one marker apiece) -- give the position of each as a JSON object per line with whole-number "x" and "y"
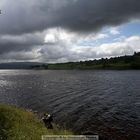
{"x": 116, "y": 63}
{"x": 19, "y": 124}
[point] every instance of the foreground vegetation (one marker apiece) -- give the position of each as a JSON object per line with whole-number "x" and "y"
{"x": 19, "y": 124}
{"x": 117, "y": 63}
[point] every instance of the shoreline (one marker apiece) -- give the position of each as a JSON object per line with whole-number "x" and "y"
{"x": 19, "y": 123}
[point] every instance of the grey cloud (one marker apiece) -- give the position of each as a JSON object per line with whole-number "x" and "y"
{"x": 22, "y": 16}
{"x": 22, "y": 23}
{"x": 61, "y": 52}
{"x": 18, "y": 56}
{"x": 19, "y": 43}
{"x": 55, "y": 52}
{"x": 93, "y": 15}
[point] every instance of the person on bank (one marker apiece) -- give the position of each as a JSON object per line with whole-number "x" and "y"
{"x": 48, "y": 119}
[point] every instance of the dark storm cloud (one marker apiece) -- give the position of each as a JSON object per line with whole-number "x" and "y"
{"x": 19, "y": 43}
{"x": 87, "y": 15}
{"x": 22, "y": 16}
{"x": 26, "y": 16}
{"x": 22, "y": 23}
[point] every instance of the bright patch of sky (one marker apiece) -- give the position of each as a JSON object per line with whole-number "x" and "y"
{"x": 110, "y": 42}
{"x": 113, "y": 34}
{"x": 130, "y": 29}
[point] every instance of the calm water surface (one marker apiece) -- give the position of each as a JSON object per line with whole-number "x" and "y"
{"x": 102, "y": 102}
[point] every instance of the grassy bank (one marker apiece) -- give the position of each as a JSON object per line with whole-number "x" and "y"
{"x": 116, "y": 63}
{"x": 19, "y": 124}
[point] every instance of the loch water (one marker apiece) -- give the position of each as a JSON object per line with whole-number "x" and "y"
{"x": 103, "y": 102}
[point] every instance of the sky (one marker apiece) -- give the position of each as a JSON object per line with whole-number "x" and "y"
{"x": 55, "y": 31}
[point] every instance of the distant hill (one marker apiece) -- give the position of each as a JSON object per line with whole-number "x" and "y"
{"x": 23, "y": 65}
{"x": 116, "y": 63}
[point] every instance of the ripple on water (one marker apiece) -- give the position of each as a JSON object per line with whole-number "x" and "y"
{"x": 107, "y": 102}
